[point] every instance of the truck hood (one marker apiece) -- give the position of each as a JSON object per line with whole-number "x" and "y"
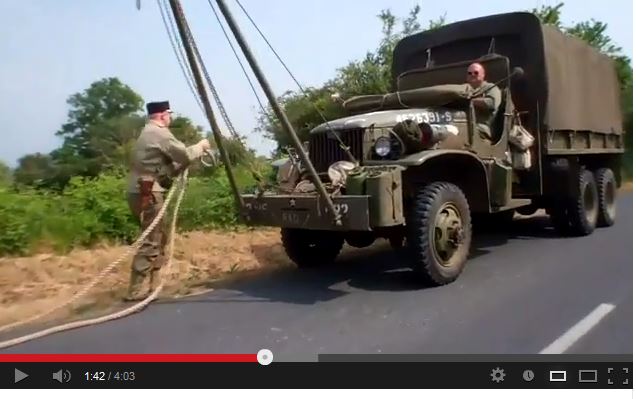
{"x": 390, "y": 118}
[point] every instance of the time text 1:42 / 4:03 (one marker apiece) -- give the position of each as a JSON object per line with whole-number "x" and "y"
{"x": 109, "y": 375}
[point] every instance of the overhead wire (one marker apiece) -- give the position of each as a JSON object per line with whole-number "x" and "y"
{"x": 217, "y": 99}
{"x": 211, "y": 86}
{"x": 300, "y": 86}
{"x": 178, "y": 50}
{"x": 238, "y": 58}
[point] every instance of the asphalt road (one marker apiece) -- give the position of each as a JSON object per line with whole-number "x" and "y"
{"x": 523, "y": 290}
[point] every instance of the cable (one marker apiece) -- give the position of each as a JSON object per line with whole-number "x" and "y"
{"x": 302, "y": 89}
{"x": 173, "y": 27}
{"x": 269, "y": 44}
{"x": 199, "y": 59}
{"x": 227, "y": 37}
{"x": 177, "y": 49}
{"x": 215, "y": 94}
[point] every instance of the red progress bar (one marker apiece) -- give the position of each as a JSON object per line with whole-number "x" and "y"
{"x": 130, "y": 358}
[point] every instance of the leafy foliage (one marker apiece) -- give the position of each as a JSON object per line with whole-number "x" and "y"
{"x": 100, "y": 120}
{"x": 184, "y": 130}
{"x": 370, "y": 75}
{"x": 35, "y": 170}
{"x": 99, "y": 136}
{"x": 90, "y": 211}
{"x": 6, "y": 175}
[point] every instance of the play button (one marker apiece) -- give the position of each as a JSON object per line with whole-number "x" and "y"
{"x": 19, "y": 376}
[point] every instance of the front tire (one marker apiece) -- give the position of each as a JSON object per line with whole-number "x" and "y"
{"x": 607, "y": 190}
{"x": 311, "y": 248}
{"x": 439, "y": 232}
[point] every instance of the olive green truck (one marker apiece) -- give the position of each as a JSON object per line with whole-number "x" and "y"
{"x": 410, "y": 166}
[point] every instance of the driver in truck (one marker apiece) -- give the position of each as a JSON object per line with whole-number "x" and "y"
{"x": 486, "y": 104}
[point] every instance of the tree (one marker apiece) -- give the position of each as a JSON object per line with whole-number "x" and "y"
{"x": 100, "y": 118}
{"x": 6, "y": 176}
{"x": 35, "y": 170}
{"x": 112, "y": 142}
{"x": 370, "y": 75}
{"x": 184, "y": 130}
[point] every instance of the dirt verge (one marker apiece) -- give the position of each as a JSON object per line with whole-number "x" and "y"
{"x": 31, "y": 285}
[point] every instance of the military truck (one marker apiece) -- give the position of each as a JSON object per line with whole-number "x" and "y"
{"x": 409, "y": 166}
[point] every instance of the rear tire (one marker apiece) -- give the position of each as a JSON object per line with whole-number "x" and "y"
{"x": 607, "y": 189}
{"x": 583, "y": 213}
{"x": 439, "y": 232}
{"x": 578, "y": 216}
{"x": 311, "y": 248}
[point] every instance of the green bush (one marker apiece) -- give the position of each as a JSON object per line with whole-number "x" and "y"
{"x": 22, "y": 216}
{"x": 90, "y": 211}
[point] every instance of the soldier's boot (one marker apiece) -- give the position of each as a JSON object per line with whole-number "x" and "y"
{"x": 135, "y": 287}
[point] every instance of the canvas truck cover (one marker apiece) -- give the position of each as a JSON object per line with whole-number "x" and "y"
{"x": 568, "y": 85}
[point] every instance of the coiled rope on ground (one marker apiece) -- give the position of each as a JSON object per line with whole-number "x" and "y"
{"x": 180, "y": 188}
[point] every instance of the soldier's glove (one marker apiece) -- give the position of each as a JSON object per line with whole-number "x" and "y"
{"x": 204, "y": 144}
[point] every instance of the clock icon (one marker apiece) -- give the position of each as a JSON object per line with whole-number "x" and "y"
{"x": 528, "y": 375}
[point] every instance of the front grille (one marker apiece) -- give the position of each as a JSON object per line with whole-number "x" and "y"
{"x": 324, "y": 149}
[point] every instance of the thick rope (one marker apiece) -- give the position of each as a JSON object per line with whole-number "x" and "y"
{"x": 132, "y": 309}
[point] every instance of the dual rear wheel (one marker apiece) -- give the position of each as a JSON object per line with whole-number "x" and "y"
{"x": 593, "y": 205}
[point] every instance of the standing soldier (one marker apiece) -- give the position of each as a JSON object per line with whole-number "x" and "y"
{"x": 157, "y": 158}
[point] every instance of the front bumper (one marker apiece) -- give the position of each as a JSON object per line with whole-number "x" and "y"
{"x": 307, "y": 212}
{"x": 373, "y": 200}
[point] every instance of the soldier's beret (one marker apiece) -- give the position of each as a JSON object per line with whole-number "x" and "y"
{"x": 157, "y": 107}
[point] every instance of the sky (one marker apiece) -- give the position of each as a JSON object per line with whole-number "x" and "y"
{"x": 53, "y": 49}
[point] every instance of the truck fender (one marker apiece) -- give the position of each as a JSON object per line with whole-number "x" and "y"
{"x": 462, "y": 168}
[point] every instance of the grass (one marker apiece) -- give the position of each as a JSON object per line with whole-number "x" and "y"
{"x": 32, "y": 284}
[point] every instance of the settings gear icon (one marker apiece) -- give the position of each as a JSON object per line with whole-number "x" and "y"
{"x": 498, "y": 375}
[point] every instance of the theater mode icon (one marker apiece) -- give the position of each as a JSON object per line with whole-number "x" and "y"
{"x": 558, "y": 376}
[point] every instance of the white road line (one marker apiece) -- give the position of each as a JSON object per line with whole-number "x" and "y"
{"x": 579, "y": 329}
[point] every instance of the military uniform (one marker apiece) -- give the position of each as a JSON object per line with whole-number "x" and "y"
{"x": 157, "y": 158}
{"x": 485, "y": 117}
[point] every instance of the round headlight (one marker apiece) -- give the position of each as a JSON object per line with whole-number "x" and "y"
{"x": 382, "y": 146}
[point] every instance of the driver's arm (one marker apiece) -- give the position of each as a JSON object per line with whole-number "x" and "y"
{"x": 490, "y": 101}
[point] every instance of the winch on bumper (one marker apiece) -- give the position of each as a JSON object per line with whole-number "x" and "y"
{"x": 371, "y": 197}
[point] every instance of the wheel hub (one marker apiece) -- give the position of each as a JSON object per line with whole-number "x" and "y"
{"x": 449, "y": 232}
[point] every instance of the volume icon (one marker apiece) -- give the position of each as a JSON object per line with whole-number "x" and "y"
{"x": 62, "y": 376}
